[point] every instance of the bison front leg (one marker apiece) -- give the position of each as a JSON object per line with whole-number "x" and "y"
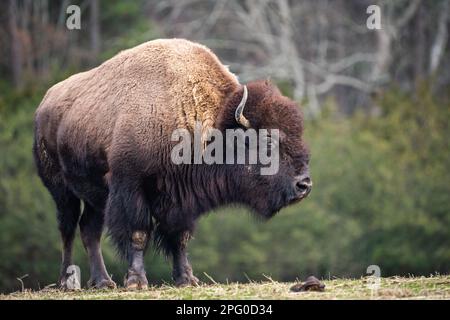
{"x": 182, "y": 270}
{"x": 136, "y": 278}
{"x": 129, "y": 225}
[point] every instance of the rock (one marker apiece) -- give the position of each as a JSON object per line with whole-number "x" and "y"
{"x": 311, "y": 284}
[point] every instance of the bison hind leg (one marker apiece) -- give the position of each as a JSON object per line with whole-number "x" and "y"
{"x": 68, "y": 213}
{"x": 67, "y": 204}
{"x": 91, "y": 227}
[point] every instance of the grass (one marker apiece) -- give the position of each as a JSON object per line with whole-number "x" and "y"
{"x": 434, "y": 287}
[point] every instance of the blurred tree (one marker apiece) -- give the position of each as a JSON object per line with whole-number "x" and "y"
{"x": 16, "y": 50}
{"x": 95, "y": 28}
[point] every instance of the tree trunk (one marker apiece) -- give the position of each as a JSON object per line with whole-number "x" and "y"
{"x": 16, "y": 47}
{"x": 95, "y": 29}
{"x": 420, "y": 46}
{"x": 440, "y": 42}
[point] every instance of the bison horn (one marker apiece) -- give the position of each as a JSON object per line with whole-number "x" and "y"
{"x": 238, "y": 114}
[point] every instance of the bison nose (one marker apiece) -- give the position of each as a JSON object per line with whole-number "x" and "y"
{"x": 303, "y": 185}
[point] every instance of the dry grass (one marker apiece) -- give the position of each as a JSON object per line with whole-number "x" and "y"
{"x": 435, "y": 287}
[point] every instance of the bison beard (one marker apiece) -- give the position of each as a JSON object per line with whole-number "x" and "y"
{"x": 103, "y": 137}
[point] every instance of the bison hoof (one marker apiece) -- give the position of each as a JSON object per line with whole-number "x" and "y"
{"x": 104, "y": 283}
{"x": 136, "y": 281}
{"x": 187, "y": 280}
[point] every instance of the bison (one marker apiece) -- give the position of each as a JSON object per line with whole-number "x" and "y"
{"x": 103, "y": 138}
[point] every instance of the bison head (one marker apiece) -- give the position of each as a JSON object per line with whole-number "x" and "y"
{"x": 261, "y": 105}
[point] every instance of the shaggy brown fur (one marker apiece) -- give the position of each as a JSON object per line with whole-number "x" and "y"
{"x": 153, "y": 88}
{"x": 103, "y": 137}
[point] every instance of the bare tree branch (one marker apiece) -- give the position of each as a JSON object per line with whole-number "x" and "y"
{"x": 408, "y": 14}
{"x": 440, "y": 42}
